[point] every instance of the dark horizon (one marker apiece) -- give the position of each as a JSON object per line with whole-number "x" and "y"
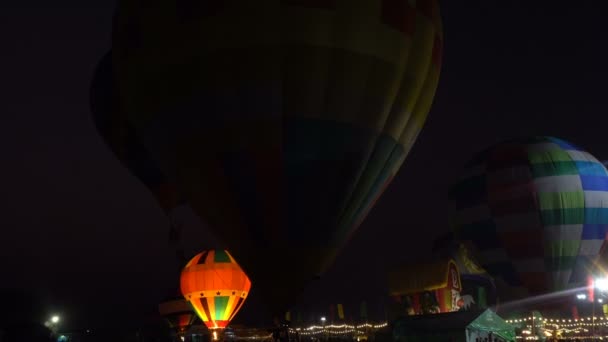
{"x": 85, "y": 234}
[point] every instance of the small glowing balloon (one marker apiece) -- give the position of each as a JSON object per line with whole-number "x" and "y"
{"x": 216, "y": 287}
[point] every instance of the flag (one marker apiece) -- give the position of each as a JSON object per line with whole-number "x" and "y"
{"x": 481, "y": 297}
{"x": 363, "y": 310}
{"x": 340, "y": 311}
{"x": 575, "y": 312}
{"x": 288, "y": 316}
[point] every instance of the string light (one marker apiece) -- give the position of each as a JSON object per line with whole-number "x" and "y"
{"x": 576, "y": 329}
{"x": 335, "y": 330}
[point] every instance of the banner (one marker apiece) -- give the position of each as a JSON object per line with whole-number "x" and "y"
{"x": 363, "y": 310}
{"x": 340, "y": 311}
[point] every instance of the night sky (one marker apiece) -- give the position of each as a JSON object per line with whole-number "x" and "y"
{"x": 79, "y": 229}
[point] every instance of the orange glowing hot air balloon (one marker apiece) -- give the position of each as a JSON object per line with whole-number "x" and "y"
{"x": 216, "y": 287}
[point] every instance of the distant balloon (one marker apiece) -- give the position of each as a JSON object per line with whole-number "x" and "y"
{"x": 216, "y": 287}
{"x": 178, "y": 313}
{"x": 537, "y": 211}
{"x": 281, "y": 122}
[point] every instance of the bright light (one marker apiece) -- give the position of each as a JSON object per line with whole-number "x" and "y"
{"x": 214, "y": 335}
{"x": 55, "y": 319}
{"x": 322, "y": 319}
{"x": 600, "y": 300}
{"x": 581, "y": 296}
{"x": 601, "y": 284}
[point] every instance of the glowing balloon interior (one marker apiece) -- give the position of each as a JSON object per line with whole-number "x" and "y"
{"x": 216, "y": 287}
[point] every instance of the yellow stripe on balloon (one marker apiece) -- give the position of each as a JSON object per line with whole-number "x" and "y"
{"x": 229, "y": 307}
{"x": 200, "y": 312}
{"x": 211, "y": 305}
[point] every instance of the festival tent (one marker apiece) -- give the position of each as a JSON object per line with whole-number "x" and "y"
{"x": 490, "y": 323}
{"x": 463, "y": 326}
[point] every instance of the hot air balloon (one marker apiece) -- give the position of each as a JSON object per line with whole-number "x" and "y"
{"x": 281, "y": 122}
{"x": 536, "y": 209}
{"x": 178, "y": 313}
{"x": 216, "y": 287}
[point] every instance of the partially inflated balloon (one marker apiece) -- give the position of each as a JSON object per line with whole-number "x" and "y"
{"x": 281, "y": 121}
{"x": 178, "y": 313}
{"x": 216, "y": 287}
{"x": 537, "y": 211}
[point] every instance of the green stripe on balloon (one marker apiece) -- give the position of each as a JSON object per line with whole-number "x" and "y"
{"x": 555, "y": 217}
{"x": 554, "y": 169}
{"x": 221, "y": 256}
{"x": 561, "y": 200}
{"x": 221, "y": 303}
{"x": 557, "y": 155}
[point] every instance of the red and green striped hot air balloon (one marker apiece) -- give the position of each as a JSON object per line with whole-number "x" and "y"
{"x": 536, "y": 209}
{"x": 281, "y": 121}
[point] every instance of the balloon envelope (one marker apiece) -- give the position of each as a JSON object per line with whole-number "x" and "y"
{"x": 282, "y": 122}
{"x": 537, "y": 211}
{"x": 216, "y": 287}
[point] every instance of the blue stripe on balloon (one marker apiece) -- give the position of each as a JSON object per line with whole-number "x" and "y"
{"x": 594, "y": 231}
{"x": 563, "y": 144}
{"x": 596, "y": 216}
{"x": 590, "y": 168}
{"x": 594, "y": 182}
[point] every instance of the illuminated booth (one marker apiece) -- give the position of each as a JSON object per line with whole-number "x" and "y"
{"x": 421, "y": 289}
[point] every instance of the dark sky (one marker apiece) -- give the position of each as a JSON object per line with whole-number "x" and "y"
{"x": 79, "y": 227}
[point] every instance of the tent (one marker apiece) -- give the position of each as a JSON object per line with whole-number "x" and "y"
{"x": 490, "y": 323}
{"x": 463, "y": 326}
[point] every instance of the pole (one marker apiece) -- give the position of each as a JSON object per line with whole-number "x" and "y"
{"x": 533, "y": 330}
{"x": 593, "y": 315}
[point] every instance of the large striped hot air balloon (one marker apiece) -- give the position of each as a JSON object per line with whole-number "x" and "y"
{"x": 282, "y": 122}
{"x": 537, "y": 211}
{"x": 216, "y": 287}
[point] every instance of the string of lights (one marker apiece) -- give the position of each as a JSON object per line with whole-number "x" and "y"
{"x": 335, "y": 330}
{"x": 585, "y": 321}
{"x": 571, "y": 329}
